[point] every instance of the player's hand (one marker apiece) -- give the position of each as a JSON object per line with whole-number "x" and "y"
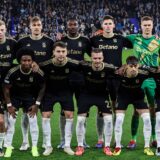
{"x": 59, "y": 36}
{"x": 12, "y": 111}
{"x": 121, "y": 70}
{"x": 33, "y": 110}
{"x": 35, "y": 67}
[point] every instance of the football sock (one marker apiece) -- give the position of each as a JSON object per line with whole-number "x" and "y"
{"x": 46, "y": 128}
{"x": 25, "y": 127}
{"x": 10, "y": 130}
{"x": 80, "y": 129}
{"x": 100, "y": 127}
{"x": 108, "y": 127}
{"x": 1, "y": 139}
{"x": 62, "y": 124}
{"x": 146, "y": 128}
{"x": 118, "y": 128}
{"x": 158, "y": 128}
{"x": 68, "y": 132}
{"x": 33, "y": 129}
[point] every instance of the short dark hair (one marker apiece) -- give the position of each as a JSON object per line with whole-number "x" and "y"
{"x": 146, "y": 18}
{"x": 106, "y": 17}
{"x": 72, "y": 19}
{"x": 96, "y": 50}
{"x": 24, "y": 51}
{"x": 59, "y": 44}
{"x": 132, "y": 60}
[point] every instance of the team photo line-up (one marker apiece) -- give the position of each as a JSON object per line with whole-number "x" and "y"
{"x": 47, "y": 72}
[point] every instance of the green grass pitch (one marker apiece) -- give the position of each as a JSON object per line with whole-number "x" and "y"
{"x": 91, "y": 138}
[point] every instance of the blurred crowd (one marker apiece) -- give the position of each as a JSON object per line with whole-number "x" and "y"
{"x": 55, "y": 13}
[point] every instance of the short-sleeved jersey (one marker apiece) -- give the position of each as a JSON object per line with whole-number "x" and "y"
{"x": 77, "y": 47}
{"x": 146, "y": 50}
{"x": 7, "y": 55}
{"x": 57, "y": 76}
{"x": 133, "y": 85}
{"x": 95, "y": 81}
{"x": 111, "y": 47}
{"x": 42, "y": 48}
{"x": 23, "y": 85}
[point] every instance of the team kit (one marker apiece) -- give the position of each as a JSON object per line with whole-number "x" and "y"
{"x": 91, "y": 69}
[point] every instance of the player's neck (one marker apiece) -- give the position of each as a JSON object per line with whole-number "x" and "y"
{"x": 2, "y": 40}
{"x": 73, "y": 36}
{"x": 108, "y": 35}
{"x": 99, "y": 68}
{"x": 59, "y": 63}
{"x": 25, "y": 71}
{"x": 36, "y": 37}
{"x": 147, "y": 36}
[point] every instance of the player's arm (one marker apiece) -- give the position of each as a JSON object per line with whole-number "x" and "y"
{"x": 6, "y": 91}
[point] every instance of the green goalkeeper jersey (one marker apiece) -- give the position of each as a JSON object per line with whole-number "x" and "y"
{"x": 146, "y": 50}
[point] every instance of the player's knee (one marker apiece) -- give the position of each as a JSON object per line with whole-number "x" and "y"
{"x": 68, "y": 114}
{"x": 46, "y": 114}
{"x": 1, "y": 123}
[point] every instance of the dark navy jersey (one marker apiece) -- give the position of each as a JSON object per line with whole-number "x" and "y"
{"x": 42, "y": 48}
{"x": 77, "y": 47}
{"x": 133, "y": 85}
{"x": 95, "y": 81}
{"x": 23, "y": 85}
{"x": 111, "y": 47}
{"x": 7, "y": 55}
{"x": 57, "y": 76}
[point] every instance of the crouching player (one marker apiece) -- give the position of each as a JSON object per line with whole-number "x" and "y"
{"x": 19, "y": 90}
{"x": 130, "y": 92}
{"x": 95, "y": 93}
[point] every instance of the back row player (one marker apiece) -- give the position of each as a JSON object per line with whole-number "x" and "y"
{"x": 112, "y": 46}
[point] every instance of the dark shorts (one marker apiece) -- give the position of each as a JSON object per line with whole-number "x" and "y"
{"x": 86, "y": 100}
{"x": 124, "y": 100}
{"x": 76, "y": 82}
{"x": 23, "y": 102}
{"x": 65, "y": 98}
{"x": 113, "y": 85}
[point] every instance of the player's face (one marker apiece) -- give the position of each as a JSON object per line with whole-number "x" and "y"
{"x": 97, "y": 59}
{"x": 108, "y": 26}
{"x": 36, "y": 28}
{"x": 132, "y": 70}
{"x": 2, "y": 31}
{"x": 72, "y": 27}
{"x": 147, "y": 27}
{"x": 60, "y": 54}
{"x": 26, "y": 62}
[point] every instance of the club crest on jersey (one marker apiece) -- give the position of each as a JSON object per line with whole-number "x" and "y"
{"x": 28, "y": 45}
{"x": 44, "y": 45}
{"x": 103, "y": 74}
{"x": 67, "y": 70}
{"x": 89, "y": 73}
{"x": 79, "y": 44}
{"x": 115, "y": 40}
{"x": 30, "y": 79}
{"x": 8, "y": 48}
{"x": 153, "y": 45}
{"x": 137, "y": 80}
